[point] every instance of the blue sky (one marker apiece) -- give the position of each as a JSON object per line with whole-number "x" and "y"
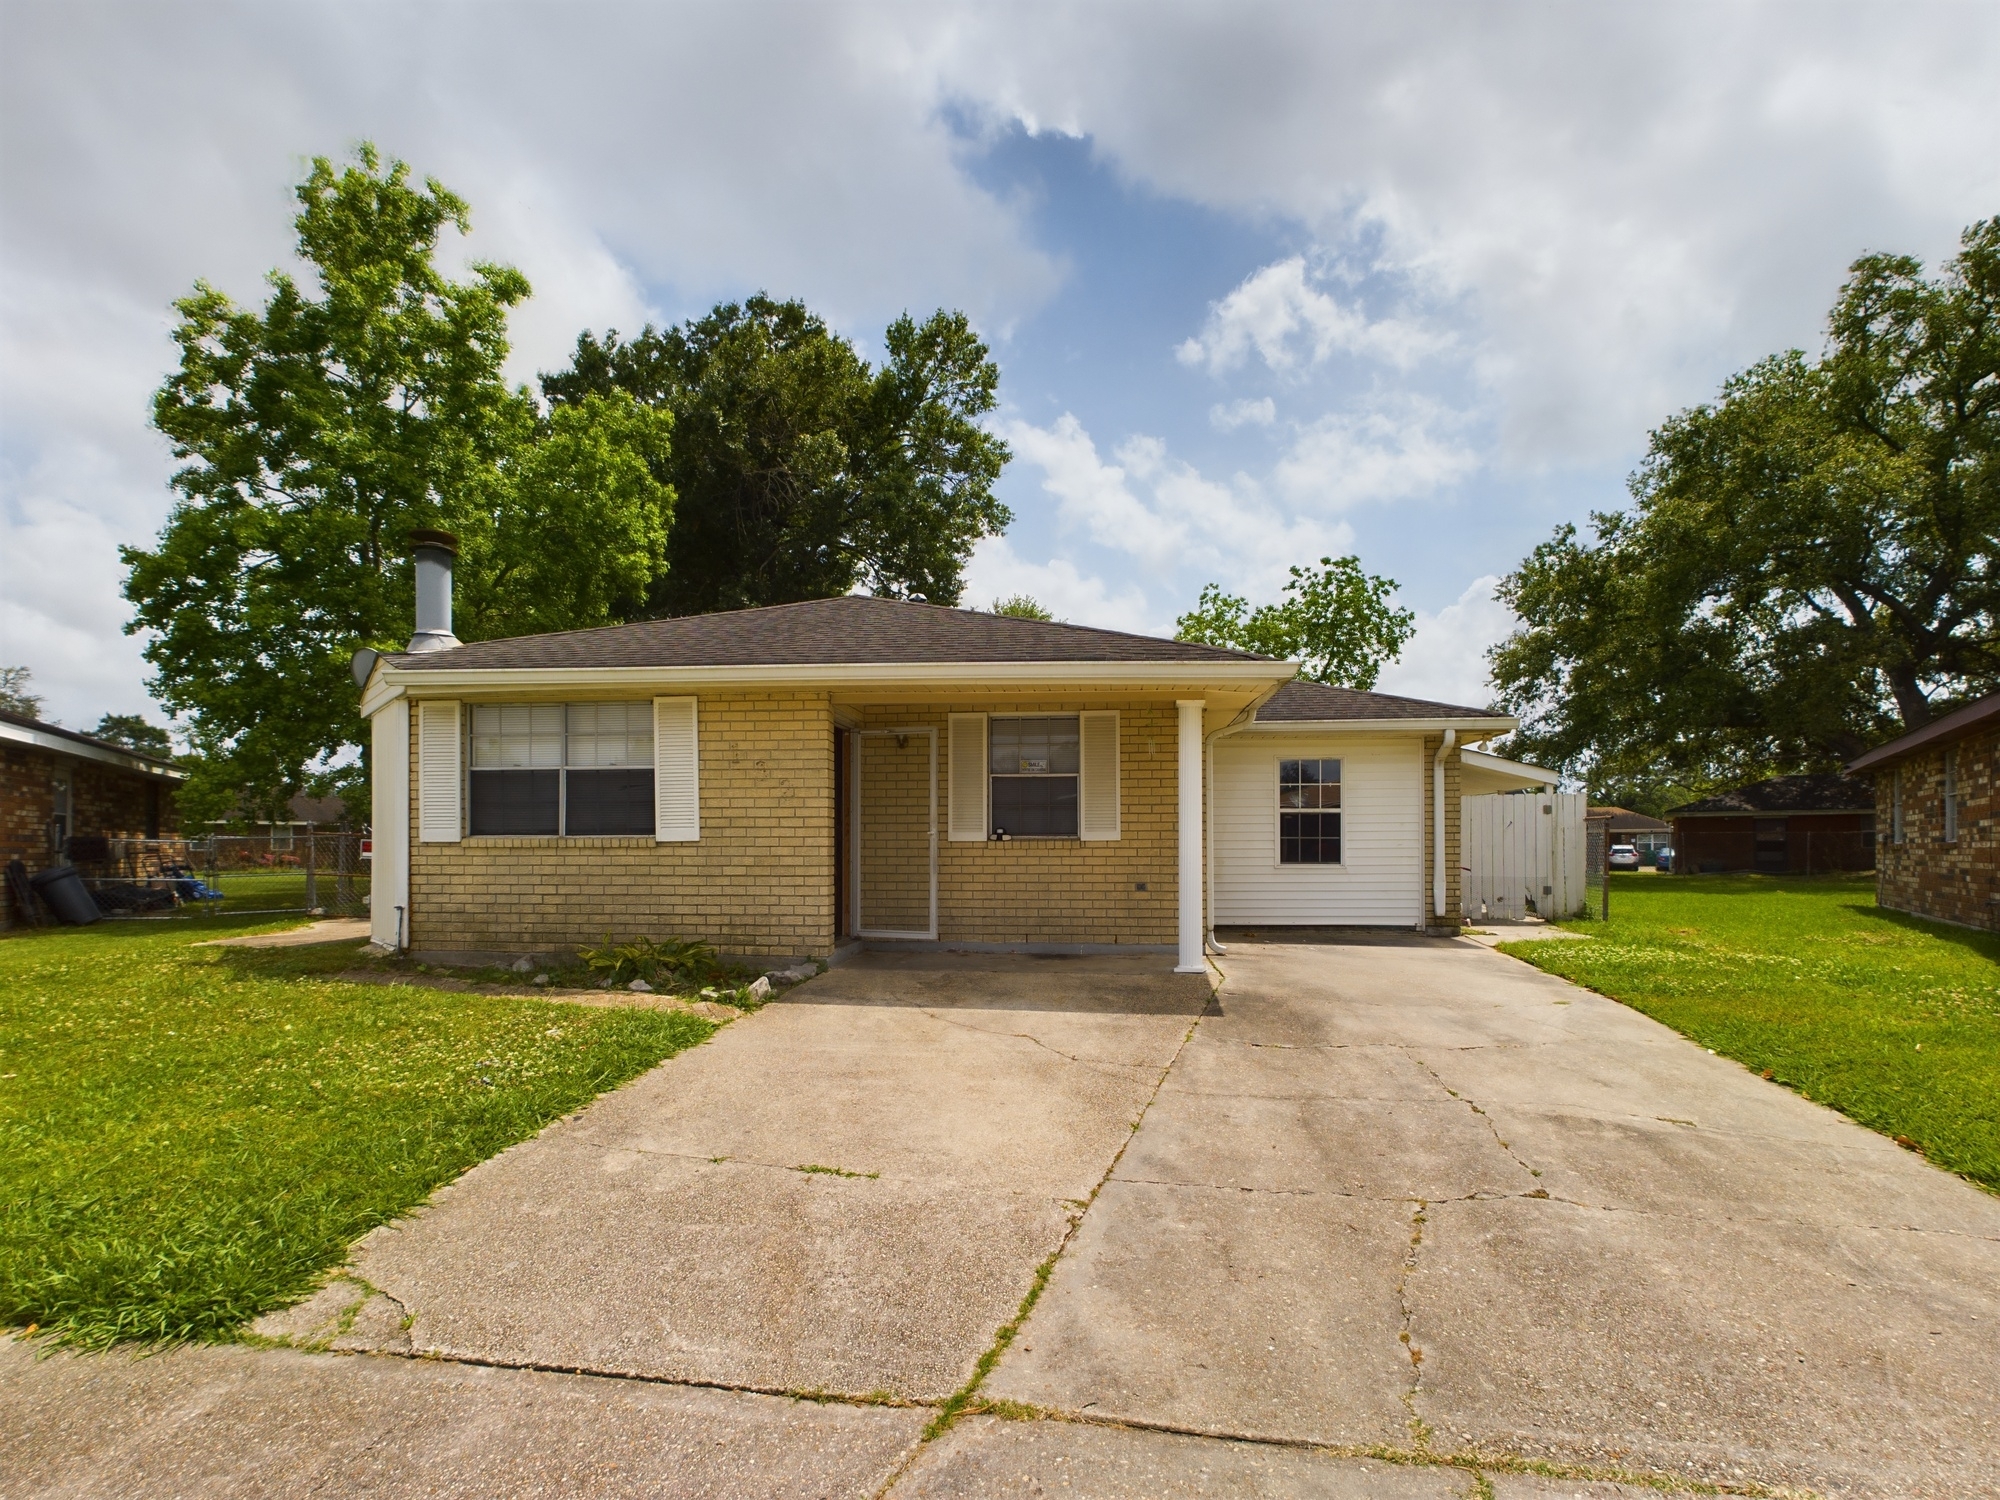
{"x": 1265, "y": 280}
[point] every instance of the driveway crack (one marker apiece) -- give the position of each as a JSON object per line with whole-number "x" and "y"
{"x": 1087, "y": 1062}
{"x": 1420, "y": 1432}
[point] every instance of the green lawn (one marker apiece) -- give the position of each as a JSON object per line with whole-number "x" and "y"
{"x": 190, "y": 1136}
{"x": 1893, "y": 1021}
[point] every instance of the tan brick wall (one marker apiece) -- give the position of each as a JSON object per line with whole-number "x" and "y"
{"x": 758, "y": 881}
{"x": 1956, "y": 882}
{"x": 1454, "y": 862}
{"x": 103, "y": 800}
{"x": 1062, "y": 890}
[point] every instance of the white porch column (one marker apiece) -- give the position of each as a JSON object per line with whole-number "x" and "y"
{"x": 1191, "y": 960}
{"x": 389, "y": 826}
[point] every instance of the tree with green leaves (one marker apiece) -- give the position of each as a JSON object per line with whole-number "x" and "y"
{"x": 1020, "y": 607}
{"x": 1337, "y": 622}
{"x": 1809, "y": 564}
{"x": 14, "y": 694}
{"x": 801, "y": 471}
{"x": 134, "y": 733}
{"x": 315, "y": 434}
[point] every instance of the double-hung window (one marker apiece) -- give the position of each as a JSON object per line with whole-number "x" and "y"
{"x": 556, "y": 768}
{"x": 1033, "y": 765}
{"x": 1308, "y": 812}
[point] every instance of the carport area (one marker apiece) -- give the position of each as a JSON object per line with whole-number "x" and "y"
{"x": 1383, "y": 1216}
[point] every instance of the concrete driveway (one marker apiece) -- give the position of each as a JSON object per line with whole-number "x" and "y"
{"x": 1386, "y": 1196}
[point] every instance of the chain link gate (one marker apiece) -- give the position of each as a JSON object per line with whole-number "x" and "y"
{"x": 1597, "y": 865}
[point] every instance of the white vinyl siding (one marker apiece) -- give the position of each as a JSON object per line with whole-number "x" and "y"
{"x": 1380, "y": 880}
{"x": 966, "y": 780}
{"x": 676, "y": 771}
{"x": 1097, "y": 789}
{"x": 438, "y": 776}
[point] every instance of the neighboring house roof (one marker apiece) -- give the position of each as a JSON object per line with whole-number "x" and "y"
{"x": 19, "y": 729}
{"x": 1787, "y": 794}
{"x": 1624, "y": 820}
{"x": 853, "y": 630}
{"x": 1952, "y": 726}
{"x": 1320, "y": 703}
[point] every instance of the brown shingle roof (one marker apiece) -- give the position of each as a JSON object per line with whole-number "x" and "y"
{"x": 1952, "y": 726}
{"x": 853, "y": 630}
{"x": 1624, "y": 820}
{"x": 1788, "y": 794}
{"x": 1315, "y": 702}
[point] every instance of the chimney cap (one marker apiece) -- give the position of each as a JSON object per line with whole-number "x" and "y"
{"x": 444, "y": 540}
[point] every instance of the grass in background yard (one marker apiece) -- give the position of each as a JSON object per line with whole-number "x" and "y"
{"x": 190, "y": 1136}
{"x": 1891, "y": 1020}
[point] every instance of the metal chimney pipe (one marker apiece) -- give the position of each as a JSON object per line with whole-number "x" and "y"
{"x": 435, "y": 551}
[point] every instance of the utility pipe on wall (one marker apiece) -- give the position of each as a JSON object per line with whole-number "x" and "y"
{"x": 1192, "y": 960}
{"x": 1437, "y": 822}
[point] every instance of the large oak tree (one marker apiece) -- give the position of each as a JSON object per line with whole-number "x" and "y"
{"x": 1808, "y": 566}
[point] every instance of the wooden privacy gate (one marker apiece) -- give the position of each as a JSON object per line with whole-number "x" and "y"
{"x": 1523, "y": 855}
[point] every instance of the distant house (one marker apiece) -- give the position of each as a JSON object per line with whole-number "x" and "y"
{"x": 1934, "y": 795}
{"x": 1627, "y": 827}
{"x": 60, "y": 789}
{"x": 1789, "y": 825}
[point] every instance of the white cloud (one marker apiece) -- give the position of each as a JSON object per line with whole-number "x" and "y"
{"x": 1392, "y": 451}
{"x": 1445, "y": 659}
{"x": 997, "y": 571}
{"x": 1274, "y": 305}
{"x": 1166, "y": 514}
{"x": 1261, "y": 412}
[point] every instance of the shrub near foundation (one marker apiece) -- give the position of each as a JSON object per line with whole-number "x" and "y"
{"x": 192, "y": 1136}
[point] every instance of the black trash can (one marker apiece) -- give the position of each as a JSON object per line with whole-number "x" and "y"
{"x": 68, "y": 897}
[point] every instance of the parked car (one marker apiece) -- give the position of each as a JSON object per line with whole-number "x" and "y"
{"x": 1663, "y": 861}
{"x": 1624, "y": 857}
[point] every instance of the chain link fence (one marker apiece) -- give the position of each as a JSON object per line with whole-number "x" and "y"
{"x": 1597, "y": 867}
{"x": 320, "y": 873}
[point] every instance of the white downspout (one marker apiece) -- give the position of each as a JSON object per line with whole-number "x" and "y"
{"x": 1437, "y": 820}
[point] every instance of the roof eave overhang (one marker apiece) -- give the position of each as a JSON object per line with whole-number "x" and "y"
{"x": 138, "y": 765}
{"x": 1482, "y": 726}
{"x": 387, "y": 683}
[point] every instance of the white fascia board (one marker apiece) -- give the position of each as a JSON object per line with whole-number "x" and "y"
{"x": 387, "y": 683}
{"x": 1484, "y": 728}
{"x": 1504, "y": 767}
{"x": 20, "y": 734}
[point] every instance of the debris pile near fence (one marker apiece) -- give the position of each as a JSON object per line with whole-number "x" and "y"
{"x": 321, "y": 873}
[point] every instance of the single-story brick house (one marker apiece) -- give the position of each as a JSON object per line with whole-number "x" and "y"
{"x": 1935, "y": 796}
{"x": 792, "y": 780}
{"x": 57, "y": 785}
{"x": 1788, "y": 825}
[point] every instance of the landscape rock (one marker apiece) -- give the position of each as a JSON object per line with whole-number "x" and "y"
{"x": 640, "y": 987}
{"x": 522, "y": 965}
{"x": 541, "y": 979}
{"x": 760, "y": 988}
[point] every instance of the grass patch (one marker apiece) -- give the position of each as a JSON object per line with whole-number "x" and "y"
{"x": 192, "y": 1136}
{"x": 1891, "y": 1020}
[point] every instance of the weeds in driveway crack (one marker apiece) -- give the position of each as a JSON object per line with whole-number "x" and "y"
{"x": 1420, "y": 1432}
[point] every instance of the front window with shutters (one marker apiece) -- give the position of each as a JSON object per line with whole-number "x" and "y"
{"x": 562, "y": 768}
{"x": 1033, "y": 763}
{"x": 1308, "y": 812}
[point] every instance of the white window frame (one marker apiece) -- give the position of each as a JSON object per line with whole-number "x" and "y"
{"x": 562, "y": 769}
{"x": 1950, "y": 789}
{"x": 1277, "y": 785}
{"x": 1076, "y": 776}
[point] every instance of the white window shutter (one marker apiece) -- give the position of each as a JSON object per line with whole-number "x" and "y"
{"x": 1097, "y": 788}
{"x": 967, "y": 779}
{"x": 438, "y": 775}
{"x": 676, "y": 772}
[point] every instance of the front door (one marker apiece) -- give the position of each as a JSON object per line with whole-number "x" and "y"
{"x": 895, "y": 833}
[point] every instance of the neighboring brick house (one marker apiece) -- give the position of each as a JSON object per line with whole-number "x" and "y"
{"x": 1935, "y": 801}
{"x": 790, "y": 780}
{"x": 1789, "y": 825}
{"x": 56, "y": 784}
